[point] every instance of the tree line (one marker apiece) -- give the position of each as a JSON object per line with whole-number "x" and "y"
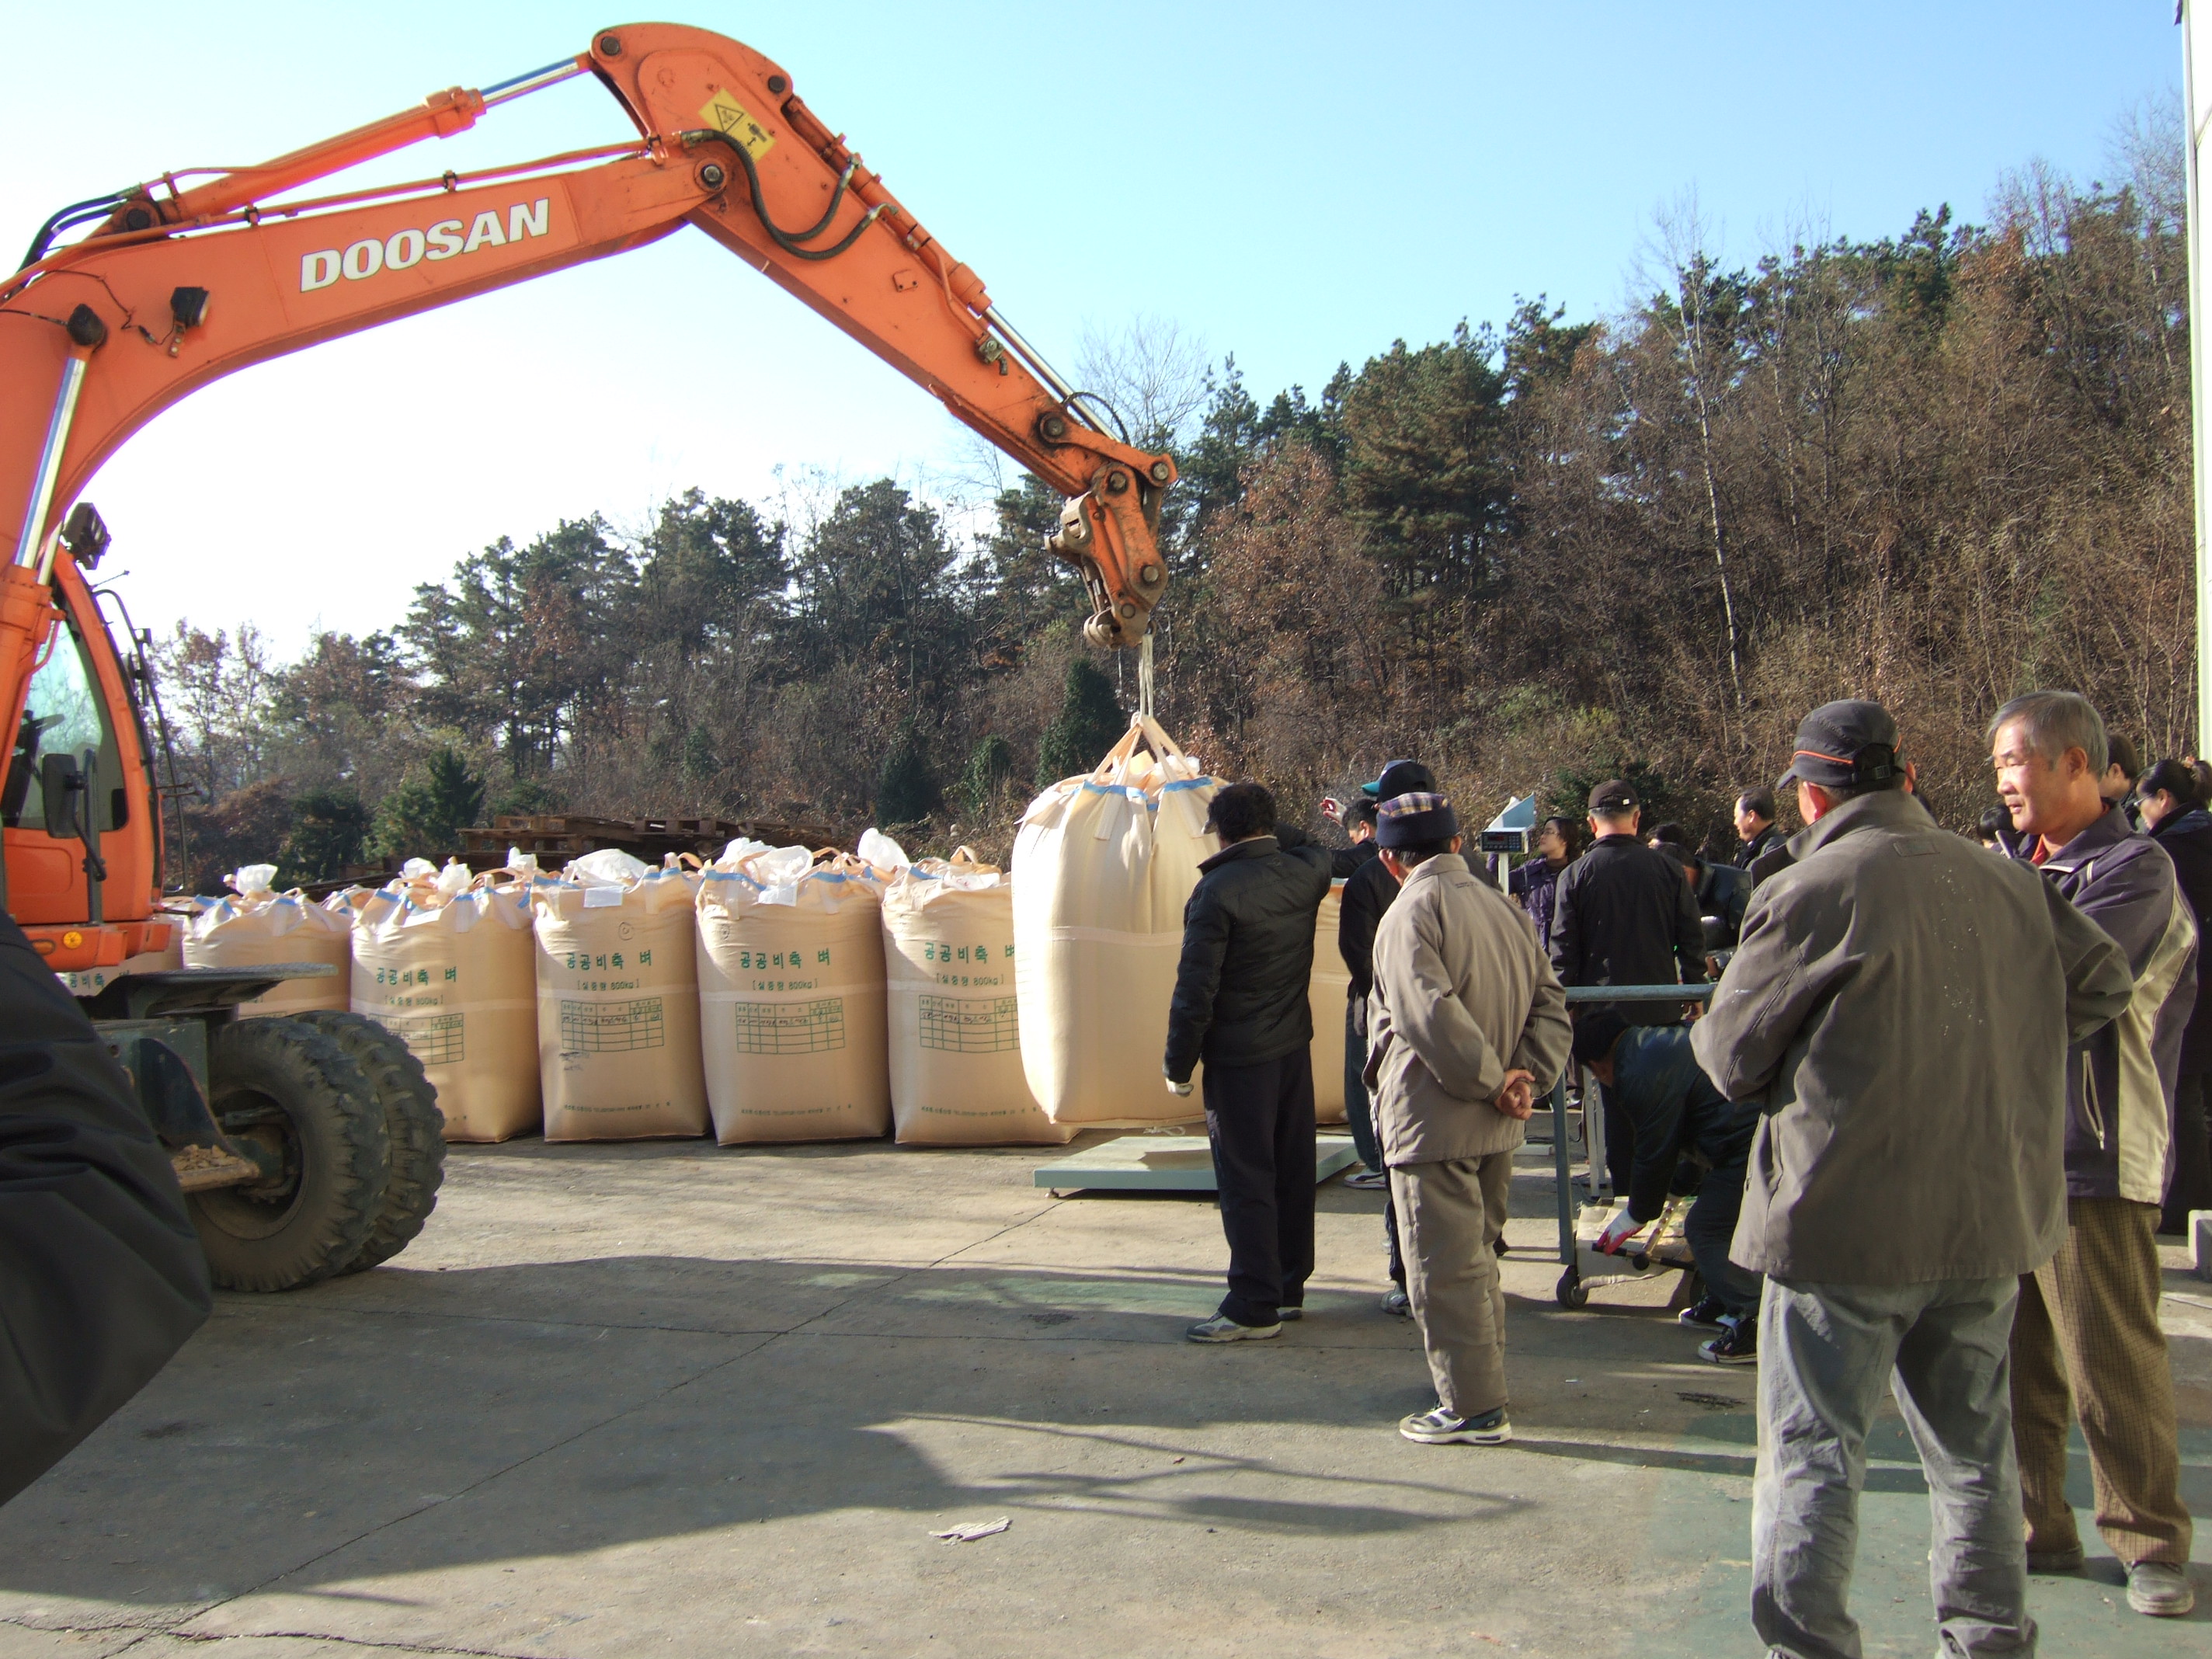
{"x": 1936, "y": 469}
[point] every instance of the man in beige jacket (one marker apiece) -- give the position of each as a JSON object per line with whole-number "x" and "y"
{"x": 1466, "y": 1024}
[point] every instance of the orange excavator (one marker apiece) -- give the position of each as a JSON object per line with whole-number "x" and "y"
{"x": 302, "y": 1142}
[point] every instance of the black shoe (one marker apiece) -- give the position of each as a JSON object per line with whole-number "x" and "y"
{"x": 1736, "y": 1344}
{"x": 1705, "y": 1313}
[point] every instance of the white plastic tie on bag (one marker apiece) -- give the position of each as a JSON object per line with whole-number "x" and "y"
{"x": 250, "y": 880}
{"x": 881, "y": 851}
{"x": 418, "y": 870}
{"x": 453, "y": 880}
{"x": 741, "y": 847}
{"x": 526, "y": 862}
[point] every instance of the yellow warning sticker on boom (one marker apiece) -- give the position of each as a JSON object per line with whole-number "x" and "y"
{"x": 724, "y": 114}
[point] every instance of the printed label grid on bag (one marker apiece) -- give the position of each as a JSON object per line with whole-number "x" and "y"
{"x": 790, "y": 1027}
{"x": 970, "y": 1025}
{"x": 434, "y": 1039}
{"x": 611, "y": 1028}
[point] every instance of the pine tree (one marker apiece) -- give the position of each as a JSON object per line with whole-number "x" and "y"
{"x": 988, "y": 770}
{"x": 908, "y": 792}
{"x": 1090, "y": 722}
{"x": 328, "y": 828}
{"x": 424, "y": 817}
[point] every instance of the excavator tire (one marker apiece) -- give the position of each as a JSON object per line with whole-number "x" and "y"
{"x": 293, "y": 1089}
{"x": 413, "y": 1122}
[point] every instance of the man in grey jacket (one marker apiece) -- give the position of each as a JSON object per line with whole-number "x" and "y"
{"x": 2088, "y": 1315}
{"x": 1467, "y": 1022}
{"x": 1900, "y": 1008}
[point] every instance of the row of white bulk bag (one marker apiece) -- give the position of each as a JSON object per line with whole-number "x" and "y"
{"x": 791, "y": 995}
{"x": 1103, "y": 866}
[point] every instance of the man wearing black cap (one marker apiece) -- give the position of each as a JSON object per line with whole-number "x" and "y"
{"x": 1367, "y": 894}
{"x": 1900, "y": 1009}
{"x": 1625, "y": 916}
{"x": 1468, "y": 1024}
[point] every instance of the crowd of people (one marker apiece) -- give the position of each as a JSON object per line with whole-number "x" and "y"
{"x": 1933, "y": 1117}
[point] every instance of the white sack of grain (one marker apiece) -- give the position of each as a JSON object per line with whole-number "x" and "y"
{"x": 956, "y": 1051}
{"x": 447, "y": 964}
{"x": 253, "y": 926}
{"x": 617, "y": 1002}
{"x": 1328, "y": 990}
{"x": 1102, "y": 866}
{"x": 791, "y": 997}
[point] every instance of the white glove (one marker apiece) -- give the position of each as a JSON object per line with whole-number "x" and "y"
{"x": 1174, "y": 1088}
{"x": 1618, "y": 1231}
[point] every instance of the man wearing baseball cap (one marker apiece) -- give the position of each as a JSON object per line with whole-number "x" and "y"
{"x": 1899, "y": 1009}
{"x": 1468, "y": 1023}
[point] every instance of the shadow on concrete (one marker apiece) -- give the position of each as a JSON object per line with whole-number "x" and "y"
{"x": 413, "y": 1420}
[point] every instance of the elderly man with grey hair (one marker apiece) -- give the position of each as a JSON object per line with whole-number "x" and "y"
{"x": 1899, "y": 1010}
{"x": 2088, "y": 1317}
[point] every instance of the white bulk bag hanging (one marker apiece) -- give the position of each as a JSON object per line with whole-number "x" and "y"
{"x": 255, "y": 927}
{"x": 791, "y": 997}
{"x": 1103, "y": 867}
{"x": 617, "y": 1002}
{"x": 956, "y": 1055}
{"x": 1326, "y": 994}
{"x": 448, "y": 965}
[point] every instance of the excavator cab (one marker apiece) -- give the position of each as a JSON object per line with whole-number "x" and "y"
{"x": 308, "y": 1146}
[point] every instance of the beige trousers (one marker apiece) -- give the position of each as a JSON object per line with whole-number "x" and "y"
{"x": 2090, "y": 1316}
{"x": 1450, "y": 1215}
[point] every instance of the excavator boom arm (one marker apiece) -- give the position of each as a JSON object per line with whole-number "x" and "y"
{"x": 181, "y": 285}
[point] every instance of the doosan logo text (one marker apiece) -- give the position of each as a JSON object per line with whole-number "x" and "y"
{"x": 403, "y": 249}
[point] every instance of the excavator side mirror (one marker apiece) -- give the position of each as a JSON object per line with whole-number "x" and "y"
{"x": 87, "y": 535}
{"x": 60, "y": 782}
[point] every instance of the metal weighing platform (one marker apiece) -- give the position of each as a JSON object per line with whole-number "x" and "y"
{"x": 1571, "y": 1291}
{"x": 1166, "y": 1163}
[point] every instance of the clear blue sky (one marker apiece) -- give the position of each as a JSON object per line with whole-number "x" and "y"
{"x": 1298, "y": 183}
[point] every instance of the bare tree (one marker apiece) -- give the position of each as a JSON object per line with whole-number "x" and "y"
{"x": 1151, "y": 370}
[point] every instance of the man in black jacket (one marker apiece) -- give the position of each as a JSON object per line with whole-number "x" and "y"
{"x": 101, "y": 1277}
{"x": 1241, "y": 1005}
{"x": 1754, "y": 826}
{"x": 1625, "y": 916}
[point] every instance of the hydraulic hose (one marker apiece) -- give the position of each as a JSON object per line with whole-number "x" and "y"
{"x": 77, "y": 213}
{"x": 783, "y": 238}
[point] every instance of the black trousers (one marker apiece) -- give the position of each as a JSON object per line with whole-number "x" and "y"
{"x": 1260, "y": 1121}
{"x": 2190, "y": 1188}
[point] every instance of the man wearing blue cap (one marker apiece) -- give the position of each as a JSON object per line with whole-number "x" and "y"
{"x": 1468, "y": 1023}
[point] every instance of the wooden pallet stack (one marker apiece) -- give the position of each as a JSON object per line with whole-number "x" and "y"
{"x": 557, "y": 837}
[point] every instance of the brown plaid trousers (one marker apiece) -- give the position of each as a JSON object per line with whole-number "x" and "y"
{"x": 2091, "y": 1314}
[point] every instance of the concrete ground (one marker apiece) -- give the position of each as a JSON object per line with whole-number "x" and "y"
{"x": 666, "y": 1398}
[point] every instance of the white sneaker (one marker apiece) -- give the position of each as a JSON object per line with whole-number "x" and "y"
{"x": 1222, "y": 1328}
{"x": 1367, "y": 1181}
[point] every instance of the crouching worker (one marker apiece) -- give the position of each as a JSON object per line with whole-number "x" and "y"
{"x": 1242, "y": 1006}
{"x": 1674, "y": 1106}
{"x": 1467, "y": 1024}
